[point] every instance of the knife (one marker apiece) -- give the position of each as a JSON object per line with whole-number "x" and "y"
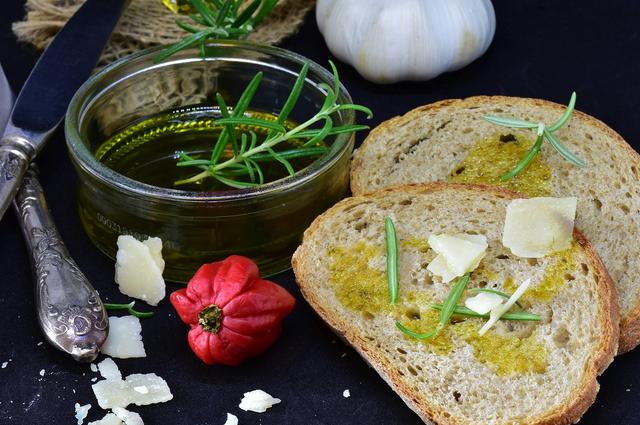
{"x": 40, "y": 106}
{"x": 70, "y": 312}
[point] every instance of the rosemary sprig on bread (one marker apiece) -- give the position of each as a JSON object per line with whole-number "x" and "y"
{"x": 543, "y": 133}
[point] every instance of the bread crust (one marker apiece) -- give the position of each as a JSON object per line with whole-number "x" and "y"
{"x": 568, "y": 413}
{"x": 630, "y": 322}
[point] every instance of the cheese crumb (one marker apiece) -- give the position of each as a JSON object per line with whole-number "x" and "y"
{"x": 346, "y": 394}
{"x": 121, "y": 393}
{"x": 109, "y": 370}
{"x": 457, "y": 254}
{"x": 141, "y": 389}
{"x": 537, "y": 227}
{"x": 41, "y": 372}
{"x": 257, "y": 401}
{"x": 81, "y": 412}
{"x": 483, "y": 303}
{"x": 500, "y": 309}
{"x": 139, "y": 267}
{"x": 108, "y": 419}
{"x": 231, "y": 419}
{"x": 124, "y": 340}
{"x": 93, "y": 367}
{"x": 4, "y": 364}
{"x": 129, "y": 418}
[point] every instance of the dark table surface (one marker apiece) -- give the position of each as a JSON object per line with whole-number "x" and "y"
{"x": 541, "y": 49}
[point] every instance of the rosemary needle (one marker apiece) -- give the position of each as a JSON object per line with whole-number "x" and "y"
{"x": 494, "y": 291}
{"x": 446, "y": 311}
{"x": 218, "y": 19}
{"x": 460, "y": 310}
{"x": 129, "y": 308}
{"x": 543, "y": 133}
{"x": 243, "y": 169}
{"x": 392, "y": 259}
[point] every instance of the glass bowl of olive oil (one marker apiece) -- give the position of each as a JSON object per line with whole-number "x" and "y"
{"x": 127, "y": 125}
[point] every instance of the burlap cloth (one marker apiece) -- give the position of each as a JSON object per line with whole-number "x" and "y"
{"x": 146, "y": 23}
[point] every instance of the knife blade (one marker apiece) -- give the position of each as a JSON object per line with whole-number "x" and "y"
{"x": 6, "y": 100}
{"x": 42, "y": 102}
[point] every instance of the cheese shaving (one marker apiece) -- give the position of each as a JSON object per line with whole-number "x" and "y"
{"x": 109, "y": 370}
{"x": 82, "y": 412}
{"x": 139, "y": 268}
{"x": 499, "y": 310}
{"x": 536, "y": 227}
{"x": 108, "y": 419}
{"x": 457, "y": 254}
{"x": 231, "y": 419}
{"x": 129, "y": 418}
{"x": 121, "y": 393}
{"x": 124, "y": 340}
{"x": 257, "y": 401}
{"x": 483, "y": 303}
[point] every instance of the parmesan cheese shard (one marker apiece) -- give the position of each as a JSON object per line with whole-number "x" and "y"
{"x": 139, "y": 267}
{"x": 129, "y": 418}
{"x": 457, "y": 254}
{"x": 82, "y": 412}
{"x": 112, "y": 393}
{"x": 500, "y": 309}
{"x": 537, "y": 227}
{"x": 109, "y": 370}
{"x": 124, "y": 340}
{"x": 231, "y": 419}
{"x": 257, "y": 401}
{"x": 155, "y": 249}
{"x": 108, "y": 419}
{"x": 483, "y": 303}
{"x": 346, "y": 394}
{"x": 141, "y": 389}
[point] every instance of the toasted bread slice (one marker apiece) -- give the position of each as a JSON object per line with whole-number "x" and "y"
{"x": 519, "y": 372}
{"x": 437, "y": 141}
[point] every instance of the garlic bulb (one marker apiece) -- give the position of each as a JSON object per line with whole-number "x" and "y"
{"x": 389, "y": 41}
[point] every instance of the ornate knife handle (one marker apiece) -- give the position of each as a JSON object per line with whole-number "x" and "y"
{"x": 70, "y": 311}
{"x": 15, "y": 155}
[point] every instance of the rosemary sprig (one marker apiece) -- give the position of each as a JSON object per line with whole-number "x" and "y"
{"x": 129, "y": 308}
{"x": 248, "y": 152}
{"x": 220, "y": 20}
{"x": 461, "y": 310}
{"x": 543, "y": 133}
{"x": 392, "y": 259}
{"x": 446, "y": 312}
{"x": 494, "y": 291}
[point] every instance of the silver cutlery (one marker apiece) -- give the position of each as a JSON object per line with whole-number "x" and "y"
{"x": 70, "y": 312}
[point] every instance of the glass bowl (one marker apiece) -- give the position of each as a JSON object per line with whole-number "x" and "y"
{"x": 264, "y": 223}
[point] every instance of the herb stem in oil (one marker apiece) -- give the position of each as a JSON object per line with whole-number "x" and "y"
{"x": 248, "y": 147}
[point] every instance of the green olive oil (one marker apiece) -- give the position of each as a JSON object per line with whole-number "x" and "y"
{"x": 147, "y": 150}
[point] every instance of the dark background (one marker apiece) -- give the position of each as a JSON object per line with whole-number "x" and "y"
{"x": 541, "y": 49}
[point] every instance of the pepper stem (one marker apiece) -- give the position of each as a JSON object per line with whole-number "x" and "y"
{"x": 210, "y": 318}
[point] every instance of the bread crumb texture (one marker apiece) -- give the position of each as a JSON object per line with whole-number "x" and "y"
{"x": 519, "y": 372}
{"x": 450, "y": 140}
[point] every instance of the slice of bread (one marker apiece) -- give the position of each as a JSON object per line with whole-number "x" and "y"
{"x": 433, "y": 143}
{"x": 519, "y": 372}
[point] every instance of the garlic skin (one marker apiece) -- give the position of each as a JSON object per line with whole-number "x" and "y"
{"x": 400, "y": 40}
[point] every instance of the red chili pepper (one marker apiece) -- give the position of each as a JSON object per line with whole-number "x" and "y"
{"x": 233, "y": 314}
